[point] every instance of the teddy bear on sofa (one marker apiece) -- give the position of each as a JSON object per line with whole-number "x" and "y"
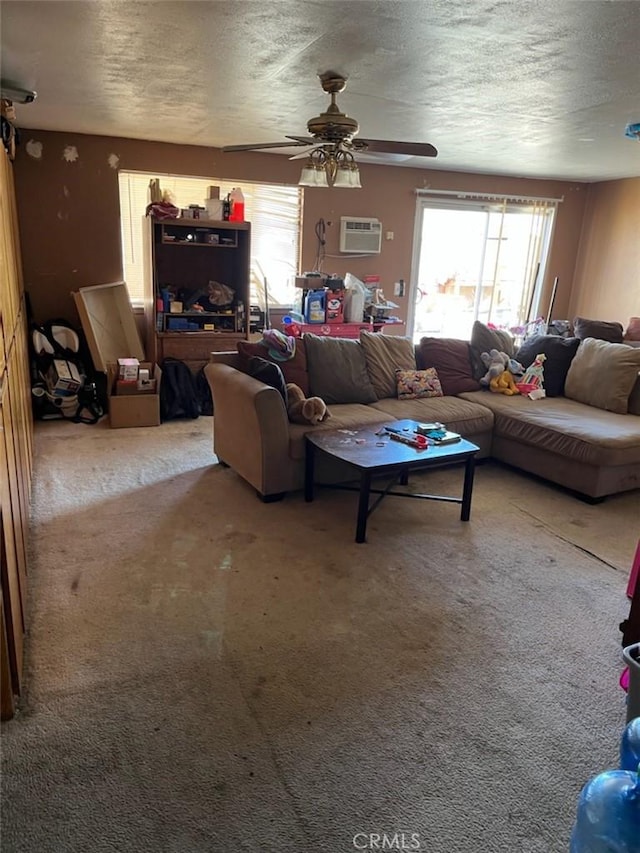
{"x": 305, "y": 410}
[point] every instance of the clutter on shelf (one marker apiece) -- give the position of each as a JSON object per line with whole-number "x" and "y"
{"x": 332, "y": 299}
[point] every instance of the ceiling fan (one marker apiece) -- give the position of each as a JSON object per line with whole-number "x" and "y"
{"x": 332, "y": 140}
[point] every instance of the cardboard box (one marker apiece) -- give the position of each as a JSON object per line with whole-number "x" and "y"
{"x": 63, "y": 378}
{"x": 133, "y": 408}
{"x": 128, "y": 368}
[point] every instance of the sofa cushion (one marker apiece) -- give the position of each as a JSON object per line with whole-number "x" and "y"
{"x": 469, "y": 419}
{"x": 599, "y": 329}
{"x": 415, "y": 384}
{"x": 483, "y": 339}
{"x": 559, "y": 353}
{"x": 383, "y": 354}
{"x": 293, "y": 369}
{"x": 603, "y": 375}
{"x": 565, "y": 427}
{"x": 343, "y": 416}
{"x": 452, "y": 359}
{"x": 269, "y": 373}
{"x": 337, "y": 370}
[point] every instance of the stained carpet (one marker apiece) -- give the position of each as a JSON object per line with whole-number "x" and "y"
{"x": 205, "y": 672}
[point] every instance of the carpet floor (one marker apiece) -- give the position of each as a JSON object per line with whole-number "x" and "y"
{"x": 206, "y": 672}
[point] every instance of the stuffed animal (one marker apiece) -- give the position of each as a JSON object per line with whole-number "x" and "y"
{"x": 500, "y": 370}
{"x": 305, "y": 410}
{"x": 504, "y": 384}
{"x": 534, "y": 374}
{"x": 495, "y": 362}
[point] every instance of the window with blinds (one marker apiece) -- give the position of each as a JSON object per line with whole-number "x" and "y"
{"x": 273, "y": 210}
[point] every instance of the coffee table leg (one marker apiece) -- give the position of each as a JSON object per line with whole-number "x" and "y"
{"x": 309, "y": 473}
{"x": 363, "y": 506}
{"x": 467, "y": 489}
{"x": 404, "y": 477}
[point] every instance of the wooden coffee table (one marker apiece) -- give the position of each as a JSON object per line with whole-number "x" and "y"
{"x": 375, "y": 455}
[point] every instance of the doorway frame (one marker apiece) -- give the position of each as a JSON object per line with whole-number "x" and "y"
{"x": 449, "y": 200}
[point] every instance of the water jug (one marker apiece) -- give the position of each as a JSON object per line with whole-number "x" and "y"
{"x": 237, "y": 205}
{"x": 314, "y": 306}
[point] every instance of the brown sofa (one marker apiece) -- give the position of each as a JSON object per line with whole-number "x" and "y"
{"x": 582, "y": 447}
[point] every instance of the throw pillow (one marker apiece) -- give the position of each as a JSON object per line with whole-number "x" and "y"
{"x": 337, "y": 370}
{"x": 603, "y": 374}
{"x": 413, "y": 384}
{"x": 599, "y": 329}
{"x": 633, "y": 330}
{"x": 484, "y": 339}
{"x": 270, "y": 374}
{"x": 559, "y": 353}
{"x": 293, "y": 369}
{"x": 383, "y": 354}
{"x": 452, "y": 360}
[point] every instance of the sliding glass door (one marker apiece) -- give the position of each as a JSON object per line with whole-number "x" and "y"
{"x": 478, "y": 259}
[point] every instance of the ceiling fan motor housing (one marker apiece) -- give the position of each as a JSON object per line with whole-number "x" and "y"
{"x": 333, "y": 126}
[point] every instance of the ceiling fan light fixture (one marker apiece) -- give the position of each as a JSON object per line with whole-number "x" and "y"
{"x": 343, "y": 177}
{"x": 308, "y": 175}
{"x": 321, "y": 176}
{"x": 354, "y": 177}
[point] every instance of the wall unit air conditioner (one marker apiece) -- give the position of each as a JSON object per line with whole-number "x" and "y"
{"x": 360, "y": 236}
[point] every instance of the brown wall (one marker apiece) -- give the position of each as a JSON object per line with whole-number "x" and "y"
{"x": 607, "y": 280}
{"x": 69, "y": 211}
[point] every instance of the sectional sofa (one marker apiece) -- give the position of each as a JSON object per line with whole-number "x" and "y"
{"x": 584, "y": 435}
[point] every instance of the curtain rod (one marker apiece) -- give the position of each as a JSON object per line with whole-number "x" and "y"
{"x": 465, "y": 194}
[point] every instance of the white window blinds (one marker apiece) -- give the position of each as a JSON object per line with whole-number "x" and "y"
{"x": 273, "y": 210}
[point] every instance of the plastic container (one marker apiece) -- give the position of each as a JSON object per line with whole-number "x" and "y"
{"x": 354, "y": 300}
{"x": 236, "y": 198}
{"x": 214, "y": 208}
{"x": 630, "y": 746}
{"x": 315, "y": 306}
{"x": 631, "y": 655}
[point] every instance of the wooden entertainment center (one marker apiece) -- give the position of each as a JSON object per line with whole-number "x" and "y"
{"x": 185, "y": 257}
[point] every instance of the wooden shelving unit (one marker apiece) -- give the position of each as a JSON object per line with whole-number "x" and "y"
{"x": 184, "y": 255}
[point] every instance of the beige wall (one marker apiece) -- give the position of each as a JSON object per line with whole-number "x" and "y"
{"x": 607, "y": 280}
{"x": 69, "y": 211}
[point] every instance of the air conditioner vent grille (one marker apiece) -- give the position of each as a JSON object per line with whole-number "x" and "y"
{"x": 360, "y": 235}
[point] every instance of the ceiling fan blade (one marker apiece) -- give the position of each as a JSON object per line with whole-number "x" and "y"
{"x": 309, "y": 149}
{"x": 261, "y": 145}
{"x": 414, "y": 149}
{"x": 305, "y": 140}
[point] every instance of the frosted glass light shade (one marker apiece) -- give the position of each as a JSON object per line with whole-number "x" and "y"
{"x": 307, "y": 177}
{"x": 343, "y": 177}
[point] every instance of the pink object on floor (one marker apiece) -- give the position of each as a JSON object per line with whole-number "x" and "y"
{"x": 624, "y": 679}
{"x": 635, "y": 573}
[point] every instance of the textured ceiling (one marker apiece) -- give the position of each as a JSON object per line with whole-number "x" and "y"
{"x": 538, "y": 89}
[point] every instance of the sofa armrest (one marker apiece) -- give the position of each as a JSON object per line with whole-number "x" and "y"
{"x": 250, "y": 428}
{"x": 230, "y": 358}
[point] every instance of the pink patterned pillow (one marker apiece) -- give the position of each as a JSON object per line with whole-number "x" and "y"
{"x": 418, "y": 383}
{"x": 633, "y": 330}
